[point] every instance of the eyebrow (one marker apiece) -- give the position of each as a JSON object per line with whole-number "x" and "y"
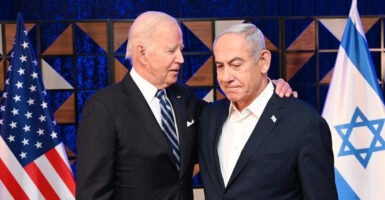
{"x": 232, "y": 60}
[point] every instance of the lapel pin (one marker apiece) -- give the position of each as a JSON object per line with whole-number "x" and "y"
{"x": 178, "y": 97}
{"x": 273, "y": 118}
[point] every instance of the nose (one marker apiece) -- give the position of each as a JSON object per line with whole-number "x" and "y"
{"x": 179, "y": 57}
{"x": 227, "y": 75}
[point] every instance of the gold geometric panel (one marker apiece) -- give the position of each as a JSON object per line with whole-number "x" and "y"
{"x": 120, "y": 33}
{"x": 328, "y": 77}
{"x": 306, "y": 40}
{"x": 66, "y": 113}
{"x": 294, "y": 62}
{"x": 97, "y": 31}
{"x": 10, "y": 32}
{"x": 63, "y": 45}
{"x": 204, "y": 75}
{"x": 368, "y": 22}
{"x": 202, "y": 30}
{"x": 70, "y": 154}
{"x": 219, "y": 95}
{"x": 119, "y": 71}
{"x": 269, "y": 45}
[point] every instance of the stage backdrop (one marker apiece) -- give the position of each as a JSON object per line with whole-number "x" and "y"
{"x": 81, "y": 45}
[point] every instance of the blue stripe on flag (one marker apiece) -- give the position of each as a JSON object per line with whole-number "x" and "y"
{"x": 343, "y": 188}
{"x": 356, "y": 48}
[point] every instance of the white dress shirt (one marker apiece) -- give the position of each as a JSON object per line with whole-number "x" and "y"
{"x": 237, "y": 130}
{"x": 149, "y": 91}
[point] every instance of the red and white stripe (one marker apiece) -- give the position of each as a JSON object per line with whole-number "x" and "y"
{"x": 48, "y": 177}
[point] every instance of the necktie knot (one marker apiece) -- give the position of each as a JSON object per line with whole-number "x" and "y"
{"x": 160, "y": 94}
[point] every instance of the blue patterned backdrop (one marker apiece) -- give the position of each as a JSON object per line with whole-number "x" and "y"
{"x": 125, "y": 9}
{"x": 88, "y": 65}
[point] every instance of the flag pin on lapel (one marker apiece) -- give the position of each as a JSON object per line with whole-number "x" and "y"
{"x": 273, "y": 118}
{"x": 178, "y": 97}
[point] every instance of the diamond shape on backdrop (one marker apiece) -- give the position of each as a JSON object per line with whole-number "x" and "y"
{"x": 202, "y": 30}
{"x": 84, "y": 43}
{"x": 192, "y": 63}
{"x": 51, "y": 32}
{"x": 294, "y": 29}
{"x": 204, "y": 75}
{"x": 65, "y": 114}
{"x": 62, "y": 45}
{"x": 120, "y": 70}
{"x": 97, "y": 31}
{"x": 56, "y": 98}
{"x": 191, "y": 42}
{"x": 307, "y": 72}
{"x": 270, "y": 29}
{"x": 219, "y": 94}
{"x": 221, "y": 25}
{"x": 326, "y": 40}
{"x": 52, "y": 79}
{"x": 328, "y": 77}
{"x": 63, "y": 65}
{"x": 10, "y": 31}
{"x": 294, "y": 62}
{"x": 203, "y": 93}
{"x": 326, "y": 61}
{"x": 335, "y": 26}
{"x": 306, "y": 40}
{"x": 120, "y": 35}
{"x": 209, "y": 96}
{"x": 122, "y": 49}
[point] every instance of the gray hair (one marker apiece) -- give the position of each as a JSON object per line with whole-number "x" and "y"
{"x": 252, "y": 34}
{"x": 143, "y": 28}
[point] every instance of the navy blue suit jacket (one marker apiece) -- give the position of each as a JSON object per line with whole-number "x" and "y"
{"x": 122, "y": 151}
{"x": 287, "y": 158}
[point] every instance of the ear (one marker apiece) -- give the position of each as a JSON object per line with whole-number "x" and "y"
{"x": 264, "y": 61}
{"x": 141, "y": 52}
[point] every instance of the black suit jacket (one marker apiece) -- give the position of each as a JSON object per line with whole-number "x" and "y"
{"x": 288, "y": 155}
{"x": 122, "y": 151}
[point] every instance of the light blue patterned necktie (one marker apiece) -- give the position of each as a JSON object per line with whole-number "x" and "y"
{"x": 168, "y": 125}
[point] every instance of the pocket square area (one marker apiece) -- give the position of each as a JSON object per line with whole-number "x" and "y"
{"x": 191, "y": 122}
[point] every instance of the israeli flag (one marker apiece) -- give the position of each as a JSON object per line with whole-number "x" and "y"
{"x": 355, "y": 112}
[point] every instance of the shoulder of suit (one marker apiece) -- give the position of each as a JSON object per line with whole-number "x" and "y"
{"x": 296, "y": 105}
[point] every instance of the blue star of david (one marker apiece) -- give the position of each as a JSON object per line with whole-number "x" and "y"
{"x": 358, "y": 120}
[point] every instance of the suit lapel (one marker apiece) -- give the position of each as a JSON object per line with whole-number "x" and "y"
{"x": 140, "y": 109}
{"x": 221, "y": 116}
{"x": 268, "y": 120}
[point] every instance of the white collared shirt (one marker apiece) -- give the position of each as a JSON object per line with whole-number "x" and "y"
{"x": 237, "y": 129}
{"x": 148, "y": 91}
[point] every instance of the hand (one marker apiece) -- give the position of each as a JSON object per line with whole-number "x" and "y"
{"x": 283, "y": 88}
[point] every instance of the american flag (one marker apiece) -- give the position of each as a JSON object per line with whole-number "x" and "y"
{"x": 33, "y": 162}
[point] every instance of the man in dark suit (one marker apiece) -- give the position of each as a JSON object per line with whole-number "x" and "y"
{"x": 123, "y": 152}
{"x": 254, "y": 145}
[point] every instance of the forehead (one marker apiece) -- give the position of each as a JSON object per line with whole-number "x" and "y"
{"x": 231, "y": 44}
{"x": 168, "y": 31}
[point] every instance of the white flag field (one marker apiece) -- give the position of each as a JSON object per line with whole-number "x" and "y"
{"x": 355, "y": 112}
